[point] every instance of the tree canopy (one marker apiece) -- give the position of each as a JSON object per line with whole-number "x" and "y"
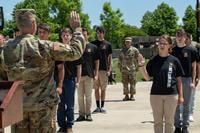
{"x": 189, "y": 21}
{"x": 53, "y": 12}
{"x": 162, "y": 20}
{"x": 116, "y": 28}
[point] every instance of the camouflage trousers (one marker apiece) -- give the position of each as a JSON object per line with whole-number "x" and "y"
{"x": 35, "y": 122}
{"x": 53, "y": 122}
{"x": 127, "y": 79}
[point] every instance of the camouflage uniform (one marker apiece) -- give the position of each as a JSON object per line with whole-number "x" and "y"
{"x": 128, "y": 67}
{"x": 32, "y": 60}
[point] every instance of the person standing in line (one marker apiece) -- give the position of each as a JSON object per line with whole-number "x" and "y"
{"x": 72, "y": 75}
{"x": 187, "y": 56}
{"x": 90, "y": 69}
{"x": 105, "y": 67}
{"x": 128, "y": 65}
{"x": 166, "y": 71}
{"x": 195, "y": 46}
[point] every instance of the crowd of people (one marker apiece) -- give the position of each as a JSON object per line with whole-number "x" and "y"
{"x": 53, "y": 71}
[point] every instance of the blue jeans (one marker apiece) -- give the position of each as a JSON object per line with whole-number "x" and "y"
{"x": 187, "y": 93}
{"x": 65, "y": 113}
{"x": 192, "y": 101}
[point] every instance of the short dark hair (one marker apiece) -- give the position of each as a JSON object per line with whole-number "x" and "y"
{"x": 45, "y": 27}
{"x": 85, "y": 30}
{"x": 181, "y": 32}
{"x": 189, "y": 36}
{"x": 66, "y": 30}
{"x": 100, "y": 29}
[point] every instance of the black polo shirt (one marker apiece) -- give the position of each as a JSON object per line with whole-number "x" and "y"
{"x": 90, "y": 55}
{"x": 56, "y": 70}
{"x": 71, "y": 68}
{"x": 105, "y": 49}
{"x": 186, "y": 55}
{"x": 164, "y": 71}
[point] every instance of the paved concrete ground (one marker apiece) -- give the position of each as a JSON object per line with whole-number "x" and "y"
{"x": 127, "y": 117}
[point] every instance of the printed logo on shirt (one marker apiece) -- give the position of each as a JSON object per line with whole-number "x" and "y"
{"x": 171, "y": 64}
{"x": 169, "y": 80}
{"x": 104, "y": 47}
{"x": 89, "y": 50}
{"x": 185, "y": 54}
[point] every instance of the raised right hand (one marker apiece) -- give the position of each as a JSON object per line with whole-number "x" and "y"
{"x": 74, "y": 20}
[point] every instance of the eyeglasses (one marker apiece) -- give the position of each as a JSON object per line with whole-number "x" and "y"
{"x": 162, "y": 43}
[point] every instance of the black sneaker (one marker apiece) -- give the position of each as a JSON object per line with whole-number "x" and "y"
{"x": 126, "y": 98}
{"x": 103, "y": 110}
{"x": 88, "y": 118}
{"x": 177, "y": 130}
{"x": 132, "y": 98}
{"x": 185, "y": 130}
{"x": 61, "y": 130}
{"x": 80, "y": 118}
{"x": 97, "y": 110}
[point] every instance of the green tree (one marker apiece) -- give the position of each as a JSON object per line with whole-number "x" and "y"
{"x": 189, "y": 21}
{"x": 162, "y": 20}
{"x": 129, "y": 30}
{"x": 147, "y": 22}
{"x": 9, "y": 28}
{"x": 116, "y": 28}
{"x": 55, "y": 13}
{"x": 112, "y": 21}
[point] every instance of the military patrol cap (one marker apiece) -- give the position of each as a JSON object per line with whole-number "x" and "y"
{"x": 25, "y": 12}
{"x": 128, "y": 39}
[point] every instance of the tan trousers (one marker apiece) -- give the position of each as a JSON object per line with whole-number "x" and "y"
{"x": 85, "y": 95}
{"x": 164, "y": 107}
{"x": 102, "y": 81}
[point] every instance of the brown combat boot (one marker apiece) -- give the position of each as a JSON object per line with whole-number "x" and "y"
{"x": 69, "y": 130}
{"x": 126, "y": 98}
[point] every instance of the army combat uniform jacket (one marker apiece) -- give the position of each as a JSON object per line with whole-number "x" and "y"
{"x": 32, "y": 60}
{"x": 128, "y": 60}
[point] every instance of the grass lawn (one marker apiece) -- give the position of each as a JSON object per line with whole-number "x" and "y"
{"x": 118, "y": 74}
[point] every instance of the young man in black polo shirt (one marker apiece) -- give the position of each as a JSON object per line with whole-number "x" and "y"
{"x": 72, "y": 75}
{"x": 90, "y": 68}
{"x": 105, "y": 67}
{"x": 189, "y": 42}
{"x": 187, "y": 56}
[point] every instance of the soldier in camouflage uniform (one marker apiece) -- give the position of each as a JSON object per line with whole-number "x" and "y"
{"x": 44, "y": 31}
{"x": 128, "y": 66}
{"x": 32, "y": 60}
